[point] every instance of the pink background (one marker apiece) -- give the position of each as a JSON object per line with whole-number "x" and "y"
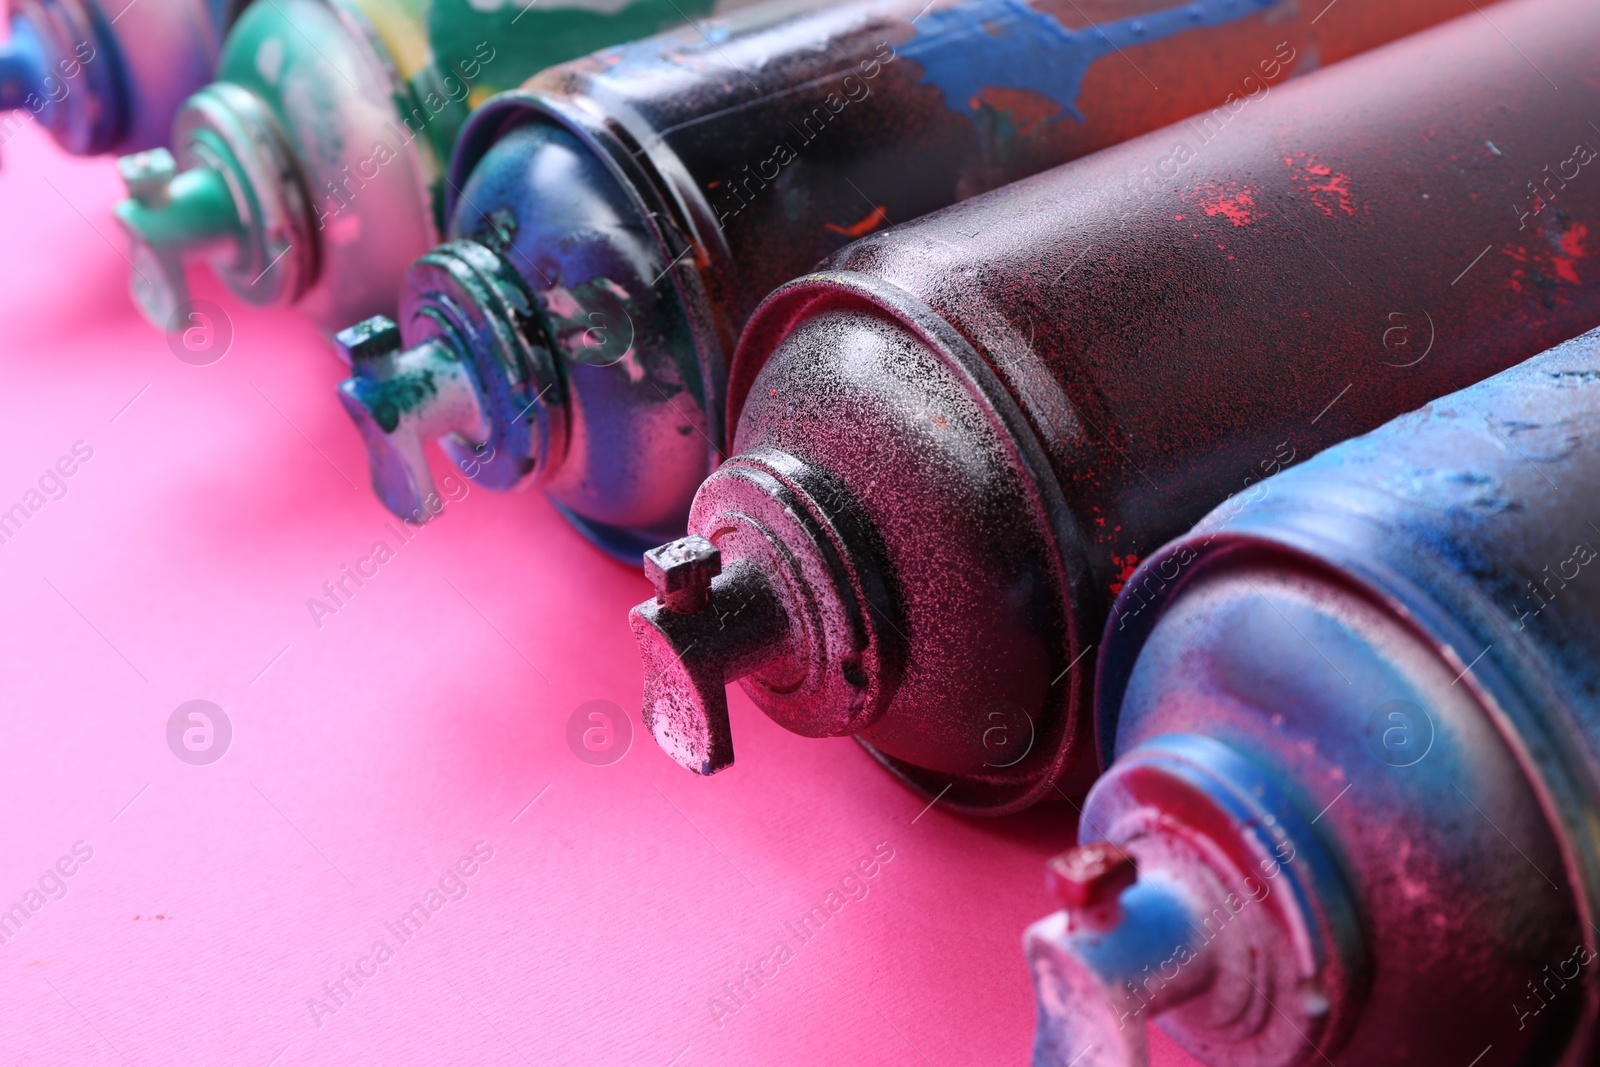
{"x": 376, "y": 750}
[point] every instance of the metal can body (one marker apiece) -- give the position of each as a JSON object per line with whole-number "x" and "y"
{"x": 107, "y": 77}
{"x": 1024, "y": 395}
{"x": 724, "y": 159}
{"x": 310, "y": 172}
{"x": 1398, "y": 635}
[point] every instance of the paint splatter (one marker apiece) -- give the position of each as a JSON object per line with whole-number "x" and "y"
{"x": 1127, "y": 565}
{"x": 1330, "y": 191}
{"x": 1569, "y": 249}
{"x": 982, "y": 45}
{"x": 1237, "y": 207}
{"x": 1541, "y": 269}
{"x": 865, "y": 226}
{"x": 1028, "y": 113}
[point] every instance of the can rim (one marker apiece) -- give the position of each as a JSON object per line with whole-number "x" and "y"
{"x": 668, "y": 203}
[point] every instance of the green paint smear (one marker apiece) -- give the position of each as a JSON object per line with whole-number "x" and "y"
{"x": 541, "y": 37}
{"x": 389, "y": 398}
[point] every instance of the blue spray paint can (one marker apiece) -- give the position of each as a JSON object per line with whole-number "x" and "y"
{"x": 1352, "y": 726}
{"x": 107, "y": 75}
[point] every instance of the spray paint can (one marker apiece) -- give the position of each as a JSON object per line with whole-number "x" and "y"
{"x": 107, "y": 76}
{"x": 954, "y": 443}
{"x": 1350, "y": 721}
{"x": 308, "y": 172}
{"x": 617, "y": 220}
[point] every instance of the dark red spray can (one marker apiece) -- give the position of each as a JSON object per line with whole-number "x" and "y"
{"x": 956, "y": 442}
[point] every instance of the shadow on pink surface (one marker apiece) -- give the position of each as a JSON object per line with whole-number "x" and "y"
{"x": 397, "y": 858}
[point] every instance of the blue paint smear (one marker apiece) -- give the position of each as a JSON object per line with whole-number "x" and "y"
{"x": 1006, "y": 44}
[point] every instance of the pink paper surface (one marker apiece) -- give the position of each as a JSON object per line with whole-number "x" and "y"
{"x": 372, "y": 752}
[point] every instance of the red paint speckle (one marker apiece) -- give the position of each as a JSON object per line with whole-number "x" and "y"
{"x": 1554, "y": 260}
{"x": 1569, "y": 249}
{"x": 1128, "y": 565}
{"x": 1330, "y": 191}
{"x": 1238, "y": 207}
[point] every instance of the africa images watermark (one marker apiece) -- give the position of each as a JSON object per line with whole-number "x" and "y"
{"x": 1583, "y": 553}
{"x": 339, "y": 591}
{"x": 337, "y": 993}
{"x": 1541, "y": 196}
{"x": 1211, "y": 927}
{"x": 1136, "y": 597}
{"x": 52, "y": 885}
{"x": 852, "y": 887}
{"x": 1580, "y": 958}
{"x": 1206, "y": 128}
{"x": 413, "y": 124}
{"x": 852, "y": 88}
{"x": 51, "y": 486}
{"x": 33, "y": 105}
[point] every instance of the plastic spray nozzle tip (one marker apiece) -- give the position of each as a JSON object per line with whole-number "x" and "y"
{"x": 1091, "y": 876}
{"x": 682, "y": 571}
{"x": 686, "y": 714}
{"x": 369, "y": 339}
{"x": 400, "y": 474}
{"x": 401, "y": 398}
{"x": 148, "y": 176}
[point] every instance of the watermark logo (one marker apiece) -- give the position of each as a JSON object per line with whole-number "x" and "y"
{"x": 1008, "y": 734}
{"x": 599, "y": 732}
{"x": 1399, "y": 733}
{"x": 591, "y": 323}
{"x": 606, "y": 340}
{"x": 199, "y": 732}
{"x": 199, "y": 332}
{"x": 1401, "y": 347}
